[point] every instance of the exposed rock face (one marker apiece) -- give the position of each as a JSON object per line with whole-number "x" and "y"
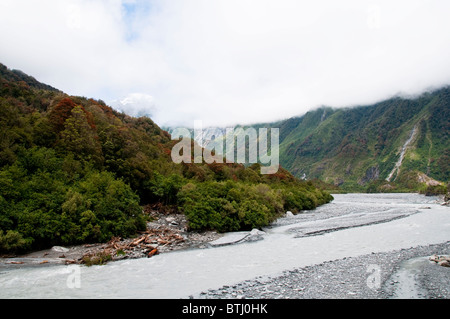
{"x": 422, "y": 178}
{"x": 372, "y": 173}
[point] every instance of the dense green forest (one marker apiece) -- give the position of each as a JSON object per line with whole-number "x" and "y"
{"x": 73, "y": 171}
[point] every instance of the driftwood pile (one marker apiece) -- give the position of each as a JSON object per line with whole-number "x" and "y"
{"x": 148, "y": 244}
{"x": 441, "y": 260}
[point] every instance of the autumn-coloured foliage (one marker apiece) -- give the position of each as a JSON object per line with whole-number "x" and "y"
{"x": 61, "y": 113}
{"x": 63, "y": 110}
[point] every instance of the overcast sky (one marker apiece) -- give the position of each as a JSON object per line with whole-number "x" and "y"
{"x": 231, "y": 61}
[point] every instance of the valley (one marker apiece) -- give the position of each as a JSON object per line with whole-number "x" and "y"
{"x": 387, "y": 146}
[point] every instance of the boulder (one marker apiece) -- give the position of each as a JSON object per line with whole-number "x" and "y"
{"x": 60, "y": 249}
{"x": 170, "y": 219}
{"x": 229, "y": 239}
{"x": 238, "y": 237}
{"x": 255, "y": 235}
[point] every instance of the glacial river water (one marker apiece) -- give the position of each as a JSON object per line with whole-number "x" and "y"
{"x": 352, "y": 225}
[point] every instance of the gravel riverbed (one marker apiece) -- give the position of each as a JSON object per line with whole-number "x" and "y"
{"x": 373, "y": 276}
{"x": 360, "y": 246}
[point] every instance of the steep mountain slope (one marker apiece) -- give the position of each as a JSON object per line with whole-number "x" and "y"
{"x": 399, "y": 144}
{"x": 394, "y": 140}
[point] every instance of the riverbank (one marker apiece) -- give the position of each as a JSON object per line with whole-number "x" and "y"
{"x": 373, "y": 276}
{"x": 168, "y": 232}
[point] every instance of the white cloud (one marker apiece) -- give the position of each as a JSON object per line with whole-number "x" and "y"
{"x": 230, "y": 61}
{"x": 136, "y": 104}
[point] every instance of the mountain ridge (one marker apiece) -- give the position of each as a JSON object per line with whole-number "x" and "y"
{"x": 383, "y": 146}
{"x": 350, "y": 143}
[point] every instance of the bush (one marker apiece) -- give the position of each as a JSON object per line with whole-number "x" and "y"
{"x": 43, "y": 208}
{"x": 96, "y": 259}
{"x": 105, "y": 207}
{"x": 253, "y": 214}
{"x": 12, "y": 242}
{"x": 231, "y": 206}
{"x": 433, "y": 190}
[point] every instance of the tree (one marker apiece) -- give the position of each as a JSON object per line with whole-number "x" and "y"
{"x": 79, "y": 138}
{"x": 61, "y": 113}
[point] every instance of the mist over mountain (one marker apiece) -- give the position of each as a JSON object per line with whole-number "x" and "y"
{"x": 357, "y": 146}
{"x": 136, "y": 104}
{"x": 401, "y": 143}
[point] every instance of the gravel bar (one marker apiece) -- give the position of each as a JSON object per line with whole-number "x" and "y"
{"x": 373, "y": 276}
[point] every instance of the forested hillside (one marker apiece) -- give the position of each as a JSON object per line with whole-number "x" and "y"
{"x": 73, "y": 170}
{"x": 357, "y": 148}
{"x": 401, "y": 144}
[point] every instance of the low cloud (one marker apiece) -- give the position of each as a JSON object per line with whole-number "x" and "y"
{"x": 136, "y": 104}
{"x": 227, "y": 62}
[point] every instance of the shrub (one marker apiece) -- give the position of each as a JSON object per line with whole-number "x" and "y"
{"x": 44, "y": 208}
{"x": 231, "y": 206}
{"x": 99, "y": 258}
{"x": 12, "y": 241}
{"x": 433, "y": 190}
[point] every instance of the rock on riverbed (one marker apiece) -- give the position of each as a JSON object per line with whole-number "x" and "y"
{"x": 238, "y": 237}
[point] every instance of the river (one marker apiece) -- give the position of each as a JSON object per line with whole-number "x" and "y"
{"x": 352, "y": 225}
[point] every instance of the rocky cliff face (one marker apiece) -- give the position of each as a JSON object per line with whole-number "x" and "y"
{"x": 372, "y": 174}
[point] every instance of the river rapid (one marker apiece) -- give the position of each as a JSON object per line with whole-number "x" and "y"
{"x": 352, "y": 225}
